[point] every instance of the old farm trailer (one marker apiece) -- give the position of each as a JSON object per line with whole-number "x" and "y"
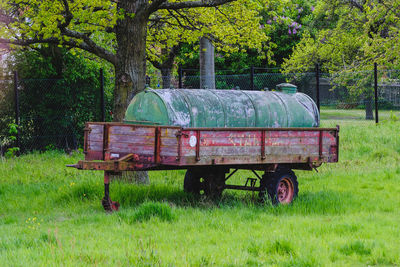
{"x": 211, "y": 133}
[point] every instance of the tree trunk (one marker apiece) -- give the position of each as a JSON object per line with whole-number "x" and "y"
{"x": 207, "y": 71}
{"x": 130, "y": 68}
{"x": 369, "y": 115}
{"x": 167, "y": 63}
{"x": 166, "y": 77}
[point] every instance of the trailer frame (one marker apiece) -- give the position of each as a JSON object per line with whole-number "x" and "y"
{"x": 118, "y": 147}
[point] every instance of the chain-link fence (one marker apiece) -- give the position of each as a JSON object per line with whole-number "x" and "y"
{"x": 342, "y": 96}
{"x": 52, "y": 112}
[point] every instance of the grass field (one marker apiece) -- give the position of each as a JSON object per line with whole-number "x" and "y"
{"x": 355, "y": 114}
{"x": 347, "y": 214}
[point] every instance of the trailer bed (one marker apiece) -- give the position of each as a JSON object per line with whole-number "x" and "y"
{"x": 123, "y": 147}
{"x": 209, "y": 154}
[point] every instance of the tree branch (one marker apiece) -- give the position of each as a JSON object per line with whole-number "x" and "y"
{"x": 97, "y": 50}
{"x": 68, "y": 15}
{"x": 356, "y": 4}
{"x": 193, "y": 4}
{"x": 180, "y": 23}
{"x": 155, "y": 63}
{"x": 154, "y": 6}
{"x": 169, "y": 60}
{"x": 90, "y": 45}
{"x": 6, "y": 19}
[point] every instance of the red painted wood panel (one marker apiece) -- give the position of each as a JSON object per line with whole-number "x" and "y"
{"x": 131, "y": 130}
{"x": 231, "y": 146}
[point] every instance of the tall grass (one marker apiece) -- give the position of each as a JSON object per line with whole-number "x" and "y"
{"x": 347, "y": 214}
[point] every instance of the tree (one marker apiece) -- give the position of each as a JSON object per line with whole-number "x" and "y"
{"x": 113, "y": 30}
{"x": 283, "y": 24}
{"x": 345, "y": 38}
{"x": 230, "y": 28}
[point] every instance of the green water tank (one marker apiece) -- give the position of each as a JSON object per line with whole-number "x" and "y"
{"x": 222, "y": 108}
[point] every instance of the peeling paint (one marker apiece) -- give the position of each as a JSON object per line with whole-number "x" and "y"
{"x": 226, "y": 108}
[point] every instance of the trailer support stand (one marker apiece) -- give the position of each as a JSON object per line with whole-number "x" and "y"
{"x": 107, "y": 203}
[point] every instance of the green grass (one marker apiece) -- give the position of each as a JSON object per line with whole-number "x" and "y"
{"x": 347, "y": 214}
{"x": 355, "y": 114}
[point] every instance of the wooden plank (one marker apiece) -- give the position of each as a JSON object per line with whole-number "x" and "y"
{"x": 254, "y": 139}
{"x": 131, "y": 148}
{"x": 169, "y": 151}
{"x": 131, "y": 139}
{"x": 95, "y": 137}
{"x": 168, "y": 132}
{"x": 230, "y": 160}
{"x": 96, "y": 146}
{"x": 254, "y": 151}
{"x": 95, "y": 129}
{"x": 166, "y": 141}
{"x": 268, "y": 142}
{"x": 131, "y": 131}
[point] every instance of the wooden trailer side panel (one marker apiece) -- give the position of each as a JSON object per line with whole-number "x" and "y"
{"x": 154, "y": 146}
{"x": 93, "y": 143}
{"x": 110, "y": 141}
{"x": 202, "y": 147}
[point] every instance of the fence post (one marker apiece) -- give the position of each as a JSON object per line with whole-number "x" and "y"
{"x": 252, "y": 78}
{"x": 376, "y": 91}
{"x": 317, "y": 84}
{"x": 16, "y": 105}
{"x": 180, "y": 73}
{"x": 102, "y": 102}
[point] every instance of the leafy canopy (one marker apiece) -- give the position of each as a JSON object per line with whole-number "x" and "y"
{"x": 349, "y": 35}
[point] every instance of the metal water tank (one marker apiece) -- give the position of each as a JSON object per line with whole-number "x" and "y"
{"x": 223, "y": 108}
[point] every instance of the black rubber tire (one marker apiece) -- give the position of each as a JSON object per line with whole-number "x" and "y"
{"x": 192, "y": 183}
{"x": 214, "y": 185}
{"x": 200, "y": 183}
{"x": 270, "y": 182}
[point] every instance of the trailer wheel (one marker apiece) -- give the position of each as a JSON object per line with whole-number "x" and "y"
{"x": 210, "y": 184}
{"x": 281, "y": 186}
{"x": 194, "y": 182}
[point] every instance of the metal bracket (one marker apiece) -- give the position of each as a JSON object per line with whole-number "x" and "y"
{"x": 179, "y": 133}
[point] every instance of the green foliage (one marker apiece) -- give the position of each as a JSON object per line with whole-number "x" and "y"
{"x": 232, "y": 27}
{"x": 12, "y": 137}
{"x": 393, "y": 116}
{"x": 12, "y": 130}
{"x": 6, "y": 113}
{"x": 42, "y": 19}
{"x": 12, "y": 152}
{"x": 282, "y": 22}
{"x": 347, "y": 37}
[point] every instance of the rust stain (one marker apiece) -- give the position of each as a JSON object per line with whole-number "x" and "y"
{"x": 245, "y": 146}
